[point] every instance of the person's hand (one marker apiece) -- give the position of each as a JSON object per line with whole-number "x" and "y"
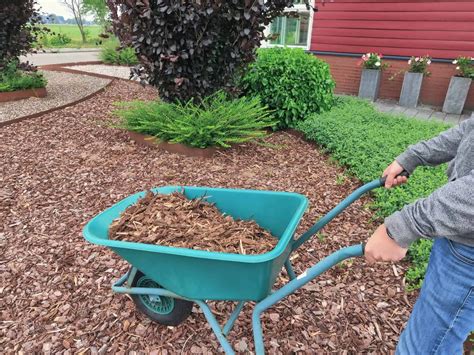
{"x": 391, "y": 172}
{"x": 380, "y": 247}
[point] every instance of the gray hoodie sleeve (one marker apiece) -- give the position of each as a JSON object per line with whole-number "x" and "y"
{"x": 447, "y": 212}
{"x": 435, "y": 151}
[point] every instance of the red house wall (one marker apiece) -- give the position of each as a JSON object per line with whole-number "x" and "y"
{"x": 442, "y": 29}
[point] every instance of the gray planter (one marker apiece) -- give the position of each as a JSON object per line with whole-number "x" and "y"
{"x": 457, "y": 94}
{"x": 411, "y": 89}
{"x": 370, "y": 84}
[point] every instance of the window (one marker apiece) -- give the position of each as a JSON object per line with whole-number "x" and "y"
{"x": 292, "y": 30}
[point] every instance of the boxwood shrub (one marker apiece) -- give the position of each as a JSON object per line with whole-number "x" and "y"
{"x": 291, "y": 82}
{"x": 366, "y": 141}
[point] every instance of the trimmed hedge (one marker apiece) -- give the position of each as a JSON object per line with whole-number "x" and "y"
{"x": 291, "y": 82}
{"x": 366, "y": 141}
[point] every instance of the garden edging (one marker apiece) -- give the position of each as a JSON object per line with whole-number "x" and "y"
{"x": 22, "y": 94}
{"x": 178, "y": 148}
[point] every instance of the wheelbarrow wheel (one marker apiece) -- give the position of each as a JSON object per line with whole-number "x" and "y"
{"x": 160, "y": 309}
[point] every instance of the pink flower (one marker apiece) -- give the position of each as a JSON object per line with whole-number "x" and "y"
{"x": 409, "y": 62}
{"x": 428, "y": 62}
{"x": 417, "y": 59}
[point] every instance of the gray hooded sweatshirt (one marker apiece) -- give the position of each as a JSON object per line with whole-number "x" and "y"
{"x": 449, "y": 211}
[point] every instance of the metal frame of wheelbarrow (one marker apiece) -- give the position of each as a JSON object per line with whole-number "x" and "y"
{"x": 294, "y": 284}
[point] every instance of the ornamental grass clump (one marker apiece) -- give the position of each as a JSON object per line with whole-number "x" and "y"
{"x": 217, "y": 121}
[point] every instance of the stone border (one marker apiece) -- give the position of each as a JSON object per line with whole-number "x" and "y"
{"x": 177, "y": 148}
{"x": 22, "y": 94}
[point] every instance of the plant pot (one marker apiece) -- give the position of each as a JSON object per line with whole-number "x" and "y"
{"x": 411, "y": 89}
{"x": 370, "y": 84}
{"x": 456, "y": 95}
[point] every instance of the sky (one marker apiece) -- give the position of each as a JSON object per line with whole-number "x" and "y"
{"x": 56, "y": 7}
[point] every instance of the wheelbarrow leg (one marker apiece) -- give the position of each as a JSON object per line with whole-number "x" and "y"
{"x": 289, "y": 269}
{"x": 293, "y": 285}
{"x": 216, "y": 328}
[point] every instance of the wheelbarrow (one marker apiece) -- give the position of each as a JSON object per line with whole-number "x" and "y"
{"x": 164, "y": 282}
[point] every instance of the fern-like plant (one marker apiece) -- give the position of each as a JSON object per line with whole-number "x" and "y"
{"x": 216, "y": 121}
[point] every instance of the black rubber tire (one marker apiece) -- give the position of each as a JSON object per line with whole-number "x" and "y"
{"x": 180, "y": 311}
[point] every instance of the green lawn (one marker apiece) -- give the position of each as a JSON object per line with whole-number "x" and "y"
{"x": 72, "y": 32}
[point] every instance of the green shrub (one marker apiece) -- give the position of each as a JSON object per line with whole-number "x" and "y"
{"x": 217, "y": 121}
{"x": 13, "y": 79}
{"x": 366, "y": 141}
{"x": 58, "y": 40}
{"x": 111, "y": 54}
{"x": 291, "y": 82}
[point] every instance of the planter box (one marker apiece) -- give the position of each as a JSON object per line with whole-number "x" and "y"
{"x": 22, "y": 94}
{"x": 370, "y": 84}
{"x": 150, "y": 141}
{"x": 456, "y": 95}
{"x": 411, "y": 89}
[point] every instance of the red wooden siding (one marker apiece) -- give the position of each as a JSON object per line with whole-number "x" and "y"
{"x": 442, "y": 29}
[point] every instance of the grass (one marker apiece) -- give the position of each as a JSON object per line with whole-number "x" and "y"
{"x": 72, "y": 32}
{"x": 366, "y": 141}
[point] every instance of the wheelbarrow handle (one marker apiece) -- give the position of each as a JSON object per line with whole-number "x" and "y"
{"x": 354, "y": 196}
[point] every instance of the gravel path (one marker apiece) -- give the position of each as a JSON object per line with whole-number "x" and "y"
{"x": 62, "y": 88}
{"x": 61, "y": 169}
{"x": 117, "y": 71}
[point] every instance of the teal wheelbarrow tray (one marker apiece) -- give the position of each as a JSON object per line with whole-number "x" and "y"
{"x": 164, "y": 282}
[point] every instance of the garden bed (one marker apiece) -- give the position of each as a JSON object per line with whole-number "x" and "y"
{"x": 22, "y": 94}
{"x": 62, "y": 168}
{"x": 63, "y": 89}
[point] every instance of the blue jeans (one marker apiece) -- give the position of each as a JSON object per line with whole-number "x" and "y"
{"x": 443, "y": 315}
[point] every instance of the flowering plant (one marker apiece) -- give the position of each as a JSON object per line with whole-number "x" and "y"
{"x": 465, "y": 67}
{"x": 372, "y": 61}
{"x": 419, "y": 65}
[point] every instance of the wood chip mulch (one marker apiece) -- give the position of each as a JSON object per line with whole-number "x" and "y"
{"x": 175, "y": 221}
{"x": 59, "y": 170}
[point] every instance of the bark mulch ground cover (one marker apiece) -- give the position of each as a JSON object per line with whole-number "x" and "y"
{"x": 59, "y": 170}
{"x": 174, "y": 221}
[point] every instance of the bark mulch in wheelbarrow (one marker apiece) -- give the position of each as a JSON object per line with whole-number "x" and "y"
{"x": 175, "y": 221}
{"x": 59, "y": 170}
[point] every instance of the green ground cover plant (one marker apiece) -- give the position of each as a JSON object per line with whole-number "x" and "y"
{"x": 366, "y": 141}
{"x": 112, "y": 54}
{"x": 291, "y": 82}
{"x": 13, "y": 79}
{"x": 218, "y": 121}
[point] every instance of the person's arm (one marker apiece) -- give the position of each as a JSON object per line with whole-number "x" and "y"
{"x": 435, "y": 151}
{"x": 449, "y": 211}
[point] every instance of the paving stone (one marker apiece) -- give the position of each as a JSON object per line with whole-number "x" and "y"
{"x": 424, "y": 114}
{"x": 438, "y": 116}
{"x": 399, "y": 109}
{"x": 452, "y": 118}
{"x": 411, "y": 112}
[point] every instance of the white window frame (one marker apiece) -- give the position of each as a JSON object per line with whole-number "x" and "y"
{"x": 298, "y": 8}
